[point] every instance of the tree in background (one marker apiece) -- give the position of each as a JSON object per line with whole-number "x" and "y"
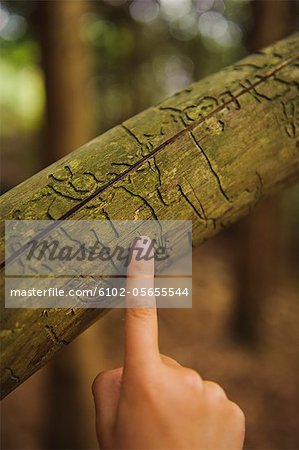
{"x": 259, "y": 246}
{"x": 66, "y": 63}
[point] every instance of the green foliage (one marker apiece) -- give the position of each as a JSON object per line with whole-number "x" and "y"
{"x": 142, "y": 52}
{"x": 22, "y": 100}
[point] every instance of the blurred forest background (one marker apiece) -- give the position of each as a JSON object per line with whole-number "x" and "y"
{"x": 69, "y": 70}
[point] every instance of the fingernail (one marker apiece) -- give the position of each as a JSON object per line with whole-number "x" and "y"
{"x": 142, "y": 260}
{"x": 144, "y": 244}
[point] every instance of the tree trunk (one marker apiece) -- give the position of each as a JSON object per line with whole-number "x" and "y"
{"x": 66, "y": 62}
{"x": 208, "y": 154}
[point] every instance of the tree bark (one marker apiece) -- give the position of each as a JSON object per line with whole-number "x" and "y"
{"x": 208, "y": 154}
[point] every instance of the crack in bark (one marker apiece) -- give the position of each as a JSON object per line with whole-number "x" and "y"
{"x": 103, "y": 245}
{"x": 111, "y": 222}
{"x": 49, "y": 215}
{"x": 170, "y": 108}
{"x": 252, "y": 91}
{"x": 62, "y": 179}
{"x": 161, "y": 197}
{"x": 141, "y": 198}
{"x": 130, "y": 132}
{"x": 212, "y": 219}
{"x": 50, "y": 331}
{"x": 93, "y": 176}
{"x": 260, "y": 186}
{"x": 65, "y": 195}
{"x": 185, "y": 196}
{"x": 286, "y": 82}
{"x": 233, "y": 99}
{"x": 12, "y": 376}
{"x": 250, "y": 65}
{"x": 211, "y": 167}
{"x": 70, "y": 237}
{"x": 69, "y": 169}
{"x": 57, "y": 179}
{"x": 78, "y": 190}
{"x": 158, "y": 170}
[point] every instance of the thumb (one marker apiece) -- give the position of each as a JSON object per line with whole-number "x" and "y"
{"x": 106, "y": 392}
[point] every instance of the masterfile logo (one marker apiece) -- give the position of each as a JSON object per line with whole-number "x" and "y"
{"x": 84, "y": 263}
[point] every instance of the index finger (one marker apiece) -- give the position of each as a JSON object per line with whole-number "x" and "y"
{"x": 141, "y": 325}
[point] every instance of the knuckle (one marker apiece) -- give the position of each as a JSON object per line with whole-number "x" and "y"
{"x": 140, "y": 388}
{"x": 168, "y": 360}
{"x": 214, "y": 392}
{"x": 101, "y": 380}
{"x": 98, "y": 382}
{"x": 237, "y": 413}
{"x": 193, "y": 378}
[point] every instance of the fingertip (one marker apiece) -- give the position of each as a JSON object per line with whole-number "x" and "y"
{"x": 141, "y": 257}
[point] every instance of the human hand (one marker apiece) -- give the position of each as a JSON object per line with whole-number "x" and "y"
{"x": 153, "y": 402}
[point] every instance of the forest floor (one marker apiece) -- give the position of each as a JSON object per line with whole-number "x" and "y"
{"x": 54, "y": 408}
